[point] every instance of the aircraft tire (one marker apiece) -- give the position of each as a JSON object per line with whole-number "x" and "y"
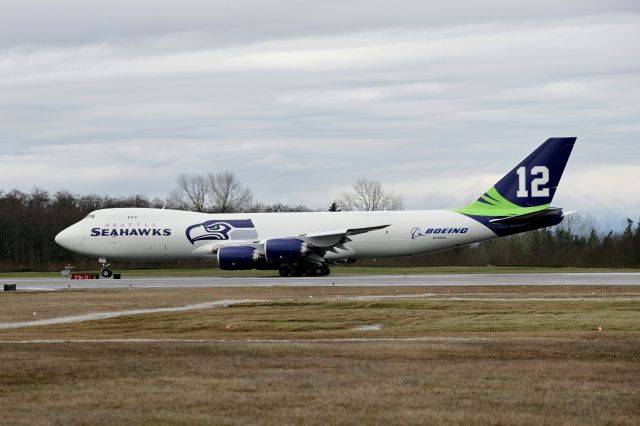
{"x": 106, "y": 273}
{"x": 284, "y": 271}
{"x": 325, "y": 270}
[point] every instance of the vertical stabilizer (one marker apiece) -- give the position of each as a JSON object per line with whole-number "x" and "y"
{"x": 530, "y": 186}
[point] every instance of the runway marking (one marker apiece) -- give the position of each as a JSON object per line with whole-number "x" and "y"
{"x": 470, "y": 298}
{"x": 37, "y": 289}
{"x": 430, "y": 280}
{"x": 540, "y": 299}
{"x": 254, "y": 341}
{"x": 107, "y": 315}
{"x": 391, "y": 296}
{"x": 368, "y": 327}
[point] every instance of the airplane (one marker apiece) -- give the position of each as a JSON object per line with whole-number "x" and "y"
{"x": 306, "y": 244}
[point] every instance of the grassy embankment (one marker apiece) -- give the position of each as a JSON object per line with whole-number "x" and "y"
{"x": 489, "y": 355}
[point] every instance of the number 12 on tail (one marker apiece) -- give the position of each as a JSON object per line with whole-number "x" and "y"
{"x": 540, "y": 177}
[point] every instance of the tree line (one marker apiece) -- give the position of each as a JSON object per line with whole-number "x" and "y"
{"x": 224, "y": 193}
{"x": 30, "y": 221}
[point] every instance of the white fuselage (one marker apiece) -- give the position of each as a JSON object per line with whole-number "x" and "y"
{"x": 159, "y": 234}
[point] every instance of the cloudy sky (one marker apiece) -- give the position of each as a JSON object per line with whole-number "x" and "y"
{"x": 437, "y": 100}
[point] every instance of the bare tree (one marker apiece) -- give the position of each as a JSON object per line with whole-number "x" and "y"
{"x": 368, "y": 195}
{"x": 226, "y": 193}
{"x": 277, "y": 207}
{"x": 191, "y": 193}
{"x": 577, "y": 224}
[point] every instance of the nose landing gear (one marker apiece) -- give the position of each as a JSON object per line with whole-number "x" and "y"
{"x": 105, "y": 271}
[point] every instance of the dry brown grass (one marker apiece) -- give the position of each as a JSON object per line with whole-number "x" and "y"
{"x": 309, "y": 313}
{"x": 20, "y": 306}
{"x": 475, "y": 382}
{"x": 514, "y": 361}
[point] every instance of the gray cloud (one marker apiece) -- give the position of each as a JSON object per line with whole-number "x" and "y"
{"x": 302, "y": 98}
{"x": 240, "y": 21}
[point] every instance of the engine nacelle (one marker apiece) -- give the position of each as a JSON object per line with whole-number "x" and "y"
{"x": 238, "y": 257}
{"x": 285, "y": 249}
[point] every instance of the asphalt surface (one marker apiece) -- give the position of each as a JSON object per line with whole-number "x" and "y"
{"x": 626, "y": 279}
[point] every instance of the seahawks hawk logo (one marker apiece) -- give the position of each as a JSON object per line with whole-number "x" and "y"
{"x": 217, "y": 230}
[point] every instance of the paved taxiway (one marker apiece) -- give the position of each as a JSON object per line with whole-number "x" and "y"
{"x": 338, "y": 280}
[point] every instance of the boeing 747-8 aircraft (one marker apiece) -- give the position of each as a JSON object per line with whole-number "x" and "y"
{"x": 299, "y": 244}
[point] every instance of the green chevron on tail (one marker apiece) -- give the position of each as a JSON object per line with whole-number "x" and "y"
{"x": 527, "y": 188}
{"x": 494, "y": 204}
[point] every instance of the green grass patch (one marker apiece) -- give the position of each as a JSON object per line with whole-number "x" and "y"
{"x": 331, "y": 318}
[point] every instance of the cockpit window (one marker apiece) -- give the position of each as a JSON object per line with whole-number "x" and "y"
{"x": 90, "y": 216}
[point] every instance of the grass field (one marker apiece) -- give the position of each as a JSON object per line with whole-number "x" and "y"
{"x": 408, "y": 355}
{"x": 343, "y": 270}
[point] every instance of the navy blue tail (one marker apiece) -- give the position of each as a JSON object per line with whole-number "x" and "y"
{"x": 534, "y": 181}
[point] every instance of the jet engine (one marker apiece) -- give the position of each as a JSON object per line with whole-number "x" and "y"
{"x": 285, "y": 250}
{"x": 238, "y": 257}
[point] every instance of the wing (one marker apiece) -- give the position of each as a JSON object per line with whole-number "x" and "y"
{"x": 319, "y": 241}
{"x": 332, "y": 240}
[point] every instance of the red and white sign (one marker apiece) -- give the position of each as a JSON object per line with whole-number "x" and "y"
{"x": 83, "y": 276}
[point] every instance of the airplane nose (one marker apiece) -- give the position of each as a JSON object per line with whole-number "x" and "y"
{"x": 65, "y": 238}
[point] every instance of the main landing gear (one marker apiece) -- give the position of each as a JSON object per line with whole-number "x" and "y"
{"x": 105, "y": 271}
{"x": 304, "y": 269}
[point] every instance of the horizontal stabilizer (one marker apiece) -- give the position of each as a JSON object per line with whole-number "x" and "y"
{"x": 522, "y": 219}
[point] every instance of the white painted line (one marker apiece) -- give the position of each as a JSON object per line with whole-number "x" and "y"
{"x": 108, "y": 315}
{"x": 432, "y": 296}
{"x": 392, "y": 296}
{"x": 539, "y": 299}
{"x": 254, "y": 341}
{"x": 369, "y": 327}
{"x": 36, "y": 289}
